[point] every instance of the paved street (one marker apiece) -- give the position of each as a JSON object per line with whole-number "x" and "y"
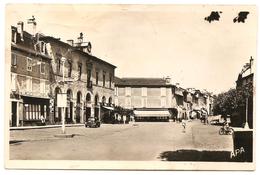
{"x": 142, "y": 141}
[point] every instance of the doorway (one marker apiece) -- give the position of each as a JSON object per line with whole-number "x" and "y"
{"x": 14, "y": 114}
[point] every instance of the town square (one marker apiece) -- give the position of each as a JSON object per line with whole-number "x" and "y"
{"x": 131, "y": 83}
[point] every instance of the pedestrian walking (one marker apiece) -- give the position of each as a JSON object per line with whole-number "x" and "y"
{"x": 43, "y": 119}
{"x": 183, "y": 123}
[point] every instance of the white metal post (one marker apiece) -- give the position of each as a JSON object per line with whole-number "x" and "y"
{"x": 63, "y": 71}
{"x": 63, "y": 120}
{"x": 63, "y": 108}
{"x": 99, "y": 111}
{"x": 246, "y": 123}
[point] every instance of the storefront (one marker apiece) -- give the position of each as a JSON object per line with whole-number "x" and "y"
{"x": 107, "y": 114}
{"x": 35, "y": 110}
{"x": 152, "y": 115}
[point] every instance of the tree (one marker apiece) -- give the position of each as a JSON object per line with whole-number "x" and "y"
{"x": 233, "y": 100}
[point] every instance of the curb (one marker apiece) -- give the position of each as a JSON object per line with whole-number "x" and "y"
{"x": 43, "y": 127}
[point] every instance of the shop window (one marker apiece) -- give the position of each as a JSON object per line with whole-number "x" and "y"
{"x": 29, "y": 64}
{"x": 33, "y": 111}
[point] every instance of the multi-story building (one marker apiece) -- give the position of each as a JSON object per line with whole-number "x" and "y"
{"x": 149, "y": 98}
{"x": 187, "y": 102}
{"x": 245, "y": 81}
{"x": 43, "y": 67}
{"x": 157, "y": 98}
{"x": 30, "y": 85}
{"x": 89, "y": 81}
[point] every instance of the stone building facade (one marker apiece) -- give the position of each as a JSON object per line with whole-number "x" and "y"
{"x": 89, "y": 81}
{"x": 43, "y": 67}
{"x": 149, "y": 98}
{"x": 158, "y": 98}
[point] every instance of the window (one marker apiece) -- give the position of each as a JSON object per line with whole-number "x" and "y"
{"x": 29, "y": 64}
{"x": 104, "y": 79}
{"x": 42, "y": 67}
{"x": 14, "y": 34}
{"x": 32, "y": 111}
{"x": 88, "y": 77}
{"x": 43, "y": 47}
{"x": 69, "y": 69}
{"x": 96, "y": 78}
{"x": 58, "y": 65}
{"x": 80, "y": 70}
{"x": 14, "y": 59}
{"x": 110, "y": 80}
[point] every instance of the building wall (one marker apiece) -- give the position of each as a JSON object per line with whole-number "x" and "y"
{"x": 32, "y": 82}
{"x": 30, "y": 88}
{"x": 143, "y": 97}
{"x": 76, "y": 85}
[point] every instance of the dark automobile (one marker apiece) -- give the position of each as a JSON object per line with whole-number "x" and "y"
{"x": 92, "y": 123}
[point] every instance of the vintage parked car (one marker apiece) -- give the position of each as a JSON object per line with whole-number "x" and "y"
{"x": 92, "y": 123}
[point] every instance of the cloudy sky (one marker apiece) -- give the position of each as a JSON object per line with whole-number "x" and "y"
{"x": 155, "y": 40}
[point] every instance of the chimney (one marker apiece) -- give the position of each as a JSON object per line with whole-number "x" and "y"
{"x": 89, "y": 47}
{"x": 70, "y": 42}
{"x": 80, "y": 38}
{"x": 168, "y": 80}
{"x": 20, "y": 29}
{"x": 33, "y": 22}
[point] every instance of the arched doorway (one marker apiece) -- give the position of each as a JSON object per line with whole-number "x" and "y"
{"x": 78, "y": 107}
{"x": 110, "y": 101}
{"x": 57, "y": 111}
{"x": 88, "y": 106}
{"x": 96, "y": 112}
{"x": 69, "y": 109}
{"x": 103, "y": 100}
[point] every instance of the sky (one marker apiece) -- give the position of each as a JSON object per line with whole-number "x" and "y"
{"x": 155, "y": 40}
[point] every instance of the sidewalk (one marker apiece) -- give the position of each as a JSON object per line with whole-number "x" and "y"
{"x": 44, "y": 133}
{"x": 42, "y": 127}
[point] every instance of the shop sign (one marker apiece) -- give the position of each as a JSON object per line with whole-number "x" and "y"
{"x": 62, "y": 100}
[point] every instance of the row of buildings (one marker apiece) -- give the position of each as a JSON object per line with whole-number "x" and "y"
{"x": 43, "y": 67}
{"x": 158, "y": 99}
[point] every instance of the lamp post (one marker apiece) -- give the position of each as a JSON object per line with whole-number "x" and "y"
{"x": 63, "y": 59}
{"x": 62, "y": 101}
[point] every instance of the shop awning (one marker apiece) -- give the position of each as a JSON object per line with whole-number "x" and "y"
{"x": 108, "y": 107}
{"x": 152, "y": 113}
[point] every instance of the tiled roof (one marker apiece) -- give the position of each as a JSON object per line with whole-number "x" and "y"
{"x": 140, "y": 82}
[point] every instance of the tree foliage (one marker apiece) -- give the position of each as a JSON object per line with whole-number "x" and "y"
{"x": 229, "y": 102}
{"x": 123, "y": 111}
